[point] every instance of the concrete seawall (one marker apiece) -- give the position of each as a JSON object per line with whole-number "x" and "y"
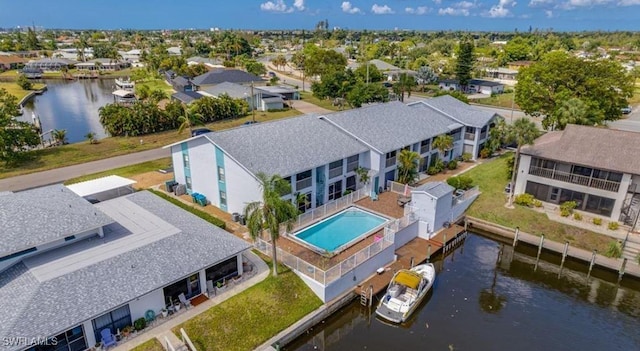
{"x": 621, "y": 266}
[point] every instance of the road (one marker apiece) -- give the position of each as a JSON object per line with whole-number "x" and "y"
{"x": 60, "y": 175}
{"x": 630, "y": 122}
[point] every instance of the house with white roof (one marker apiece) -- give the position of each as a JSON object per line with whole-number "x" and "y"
{"x": 318, "y": 155}
{"x": 70, "y": 269}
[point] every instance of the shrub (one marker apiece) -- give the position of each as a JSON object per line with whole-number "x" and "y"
{"x": 453, "y": 164}
{"x": 577, "y": 216}
{"x": 524, "y": 200}
{"x": 597, "y": 221}
{"x": 207, "y": 217}
{"x": 485, "y": 152}
{"x": 139, "y": 324}
{"x": 614, "y": 250}
{"x": 460, "y": 182}
{"x": 613, "y": 225}
{"x": 432, "y": 170}
{"x": 466, "y": 157}
{"x": 537, "y": 203}
{"x": 564, "y": 212}
{"x": 439, "y": 165}
{"x": 566, "y": 208}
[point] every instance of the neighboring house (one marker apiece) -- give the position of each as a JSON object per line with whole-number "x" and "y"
{"x": 49, "y": 64}
{"x": 69, "y": 269}
{"x": 390, "y": 71}
{"x": 475, "y": 86}
{"x": 218, "y": 76}
{"x": 257, "y": 98}
{"x": 8, "y": 62}
{"x": 174, "y": 51}
{"x": 103, "y": 64}
{"x": 72, "y": 53}
{"x": 318, "y": 155}
{"x": 182, "y": 84}
{"x": 516, "y": 65}
{"x": 477, "y": 122}
{"x": 186, "y": 97}
{"x": 502, "y": 73}
{"x": 598, "y": 168}
{"x": 432, "y": 203}
{"x": 287, "y": 93}
{"x": 210, "y": 63}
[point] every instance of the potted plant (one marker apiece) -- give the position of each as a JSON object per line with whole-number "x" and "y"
{"x": 126, "y": 331}
{"x": 140, "y": 324}
{"x": 165, "y": 312}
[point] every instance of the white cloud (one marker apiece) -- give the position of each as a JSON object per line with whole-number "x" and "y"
{"x": 348, "y": 8}
{"x": 450, "y": 11}
{"x": 381, "y": 9}
{"x": 277, "y": 6}
{"x": 541, "y": 3}
{"x": 629, "y": 2}
{"x": 465, "y": 5}
{"x": 299, "y": 5}
{"x": 437, "y": 1}
{"x": 420, "y": 10}
{"x": 548, "y": 13}
{"x": 572, "y": 4}
{"x": 501, "y": 10}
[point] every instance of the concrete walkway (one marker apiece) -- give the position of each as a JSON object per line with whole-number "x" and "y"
{"x": 160, "y": 331}
{"x": 309, "y": 108}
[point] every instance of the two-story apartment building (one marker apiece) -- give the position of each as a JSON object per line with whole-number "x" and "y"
{"x": 598, "y": 168}
{"x": 318, "y": 155}
{"x": 70, "y": 269}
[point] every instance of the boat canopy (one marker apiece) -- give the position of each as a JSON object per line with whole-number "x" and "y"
{"x": 408, "y": 278}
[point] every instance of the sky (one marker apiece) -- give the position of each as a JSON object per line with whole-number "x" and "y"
{"x": 484, "y": 15}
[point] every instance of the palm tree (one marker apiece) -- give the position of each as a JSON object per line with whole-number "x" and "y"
{"x": 189, "y": 119}
{"x": 60, "y": 136}
{"x": 523, "y": 132}
{"x": 408, "y": 166}
{"x": 404, "y": 84}
{"x": 91, "y": 137}
{"x": 443, "y": 143}
{"x": 271, "y": 212}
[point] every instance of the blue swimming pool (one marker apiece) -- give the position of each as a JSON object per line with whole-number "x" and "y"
{"x": 337, "y": 231}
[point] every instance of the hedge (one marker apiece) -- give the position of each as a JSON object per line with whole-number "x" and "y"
{"x": 207, "y": 217}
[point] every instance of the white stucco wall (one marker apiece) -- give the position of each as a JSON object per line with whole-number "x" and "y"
{"x": 431, "y": 210}
{"x": 178, "y": 164}
{"x": 242, "y": 187}
{"x": 407, "y": 234}
{"x": 204, "y": 174}
{"x": 151, "y": 301}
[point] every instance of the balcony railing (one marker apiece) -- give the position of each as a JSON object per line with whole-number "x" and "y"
{"x": 469, "y": 136}
{"x": 575, "y": 179}
{"x": 304, "y": 183}
{"x": 390, "y": 162}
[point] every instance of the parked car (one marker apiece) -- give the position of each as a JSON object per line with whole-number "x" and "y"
{"x": 626, "y": 110}
{"x": 271, "y": 74}
{"x": 199, "y": 131}
{"x": 248, "y": 123}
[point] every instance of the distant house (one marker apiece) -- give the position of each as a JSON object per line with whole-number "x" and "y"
{"x": 501, "y": 73}
{"x": 257, "y": 98}
{"x": 218, "y": 76}
{"x": 287, "y": 93}
{"x": 182, "y": 84}
{"x": 475, "y": 86}
{"x": 103, "y": 64}
{"x": 390, "y": 71}
{"x": 186, "y": 97}
{"x": 174, "y": 51}
{"x": 210, "y": 63}
{"x": 72, "y": 53}
{"x": 49, "y": 64}
{"x": 516, "y": 65}
{"x": 11, "y": 62}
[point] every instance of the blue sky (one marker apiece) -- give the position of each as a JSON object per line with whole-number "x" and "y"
{"x": 487, "y": 15}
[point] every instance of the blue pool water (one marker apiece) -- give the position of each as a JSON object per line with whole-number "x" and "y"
{"x": 340, "y": 229}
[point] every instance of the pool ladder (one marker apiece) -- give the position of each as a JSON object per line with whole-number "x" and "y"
{"x": 366, "y": 296}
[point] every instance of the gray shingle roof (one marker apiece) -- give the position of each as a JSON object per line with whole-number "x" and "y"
{"x": 40, "y": 308}
{"x": 187, "y": 96}
{"x": 218, "y": 76}
{"x": 393, "y": 125}
{"x": 603, "y": 148}
{"x": 286, "y": 146}
{"x": 234, "y": 90}
{"x": 435, "y": 189}
{"x": 457, "y": 110}
{"x": 38, "y": 216}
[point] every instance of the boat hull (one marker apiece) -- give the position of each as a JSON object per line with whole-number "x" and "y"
{"x": 395, "y": 315}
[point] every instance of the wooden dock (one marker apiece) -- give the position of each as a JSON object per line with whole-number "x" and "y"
{"x": 417, "y": 249}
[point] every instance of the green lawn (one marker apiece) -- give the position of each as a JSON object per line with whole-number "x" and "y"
{"x": 67, "y": 155}
{"x": 126, "y": 171}
{"x": 157, "y": 84}
{"x": 252, "y": 317}
{"x": 13, "y": 89}
{"x": 151, "y": 345}
{"x": 492, "y": 178}
{"x": 501, "y": 100}
{"x": 308, "y": 97}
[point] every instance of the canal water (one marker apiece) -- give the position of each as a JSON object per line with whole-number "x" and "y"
{"x": 488, "y": 297}
{"x": 71, "y": 105}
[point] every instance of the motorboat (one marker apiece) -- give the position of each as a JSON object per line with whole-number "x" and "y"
{"x": 125, "y": 84}
{"x": 407, "y": 289}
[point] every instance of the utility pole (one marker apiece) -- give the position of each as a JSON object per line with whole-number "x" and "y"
{"x": 513, "y": 99}
{"x": 253, "y": 104}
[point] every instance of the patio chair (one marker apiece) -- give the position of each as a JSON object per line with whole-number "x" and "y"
{"x": 108, "y": 339}
{"x": 374, "y": 196}
{"x": 184, "y": 301}
{"x": 149, "y": 316}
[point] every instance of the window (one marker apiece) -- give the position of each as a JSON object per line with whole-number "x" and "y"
{"x": 187, "y": 180}
{"x": 390, "y": 158}
{"x": 352, "y": 163}
{"x": 185, "y": 160}
{"x": 470, "y": 130}
{"x": 114, "y": 320}
{"x": 223, "y": 198}
{"x": 223, "y": 270}
{"x": 335, "y": 169}
{"x": 189, "y": 286}
{"x": 425, "y": 146}
{"x": 335, "y": 190}
{"x": 71, "y": 340}
{"x": 351, "y": 183}
{"x": 303, "y": 180}
{"x": 221, "y": 174}
{"x": 583, "y": 171}
{"x": 599, "y": 205}
{"x": 303, "y": 206}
